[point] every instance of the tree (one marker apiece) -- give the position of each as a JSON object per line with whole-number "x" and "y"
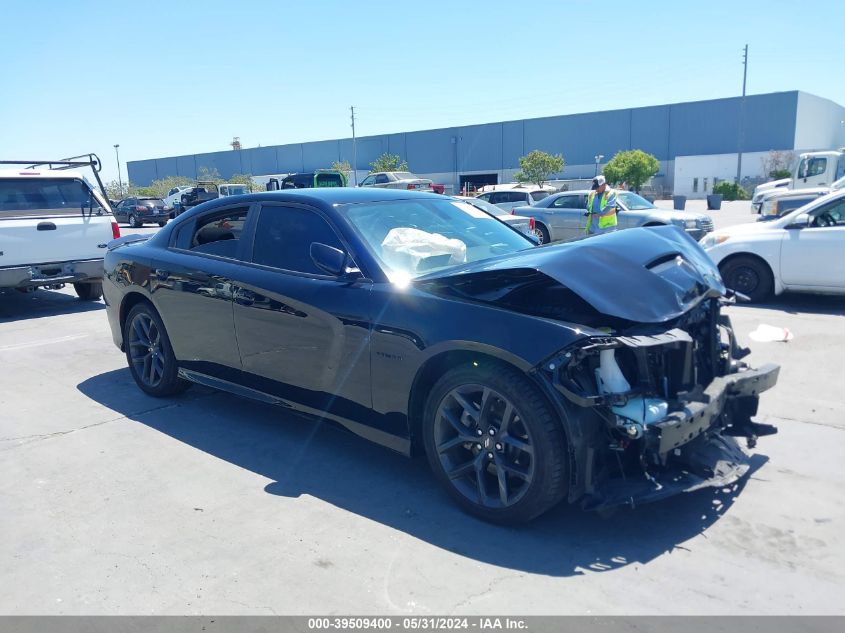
{"x": 342, "y": 166}
{"x": 776, "y": 164}
{"x": 730, "y": 191}
{"x": 633, "y": 167}
{"x": 537, "y": 166}
{"x": 388, "y": 162}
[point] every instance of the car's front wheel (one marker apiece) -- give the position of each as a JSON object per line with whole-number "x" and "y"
{"x": 149, "y": 353}
{"x": 493, "y": 441}
{"x": 749, "y": 276}
{"x": 134, "y": 223}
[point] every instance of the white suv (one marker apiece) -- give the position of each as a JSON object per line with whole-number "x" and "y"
{"x": 54, "y": 226}
{"x": 509, "y": 196}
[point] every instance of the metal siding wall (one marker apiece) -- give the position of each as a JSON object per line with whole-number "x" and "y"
{"x": 288, "y": 158}
{"x": 431, "y": 151}
{"x": 580, "y": 137}
{"x": 698, "y": 128}
{"x": 650, "y": 131}
{"x": 185, "y": 166}
{"x": 226, "y": 163}
{"x": 319, "y": 155}
{"x": 369, "y": 148}
{"x": 396, "y": 145}
{"x": 260, "y": 160}
{"x": 479, "y": 147}
{"x": 512, "y": 144}
{"x": 770, "y": 122}
{"x": 142, "y": 172}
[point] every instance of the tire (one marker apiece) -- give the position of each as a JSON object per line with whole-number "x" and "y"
{"x": 133, "y": 222}
{"x": 748, "y": 275}
{"x": 89, "y": 291}
{"x": 542, "y": 233}
{"x": 149, "y": 353}
{"x": 162, "y": 224}
{"x": 472, "y": 454}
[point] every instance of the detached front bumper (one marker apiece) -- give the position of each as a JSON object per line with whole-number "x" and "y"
{"x": 40, "y": 275}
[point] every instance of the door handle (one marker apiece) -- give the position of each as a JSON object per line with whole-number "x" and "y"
{"x": 244, "y": 297}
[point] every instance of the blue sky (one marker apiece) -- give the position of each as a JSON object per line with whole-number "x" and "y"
{"x": 180, "y": 77}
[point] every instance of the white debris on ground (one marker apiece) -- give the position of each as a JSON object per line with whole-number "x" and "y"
{"x": 770, "y": 333}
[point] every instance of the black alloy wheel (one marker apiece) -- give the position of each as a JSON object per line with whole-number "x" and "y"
{"x": 493, "y": 441}
{"x": 149, "y": 353}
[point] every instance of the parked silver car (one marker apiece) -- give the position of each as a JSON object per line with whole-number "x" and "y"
{"x": 519, "y": 222}
{"x": 560, "y": 217}
{"x": 397, "y": 180}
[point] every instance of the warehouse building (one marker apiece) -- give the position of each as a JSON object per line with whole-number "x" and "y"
{"x": 695, "y": 142}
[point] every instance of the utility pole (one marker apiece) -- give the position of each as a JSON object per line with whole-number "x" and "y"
{"x": 741, "y": 115}
{"x": 119, "y": 181}
{"x": 354, "y": 149}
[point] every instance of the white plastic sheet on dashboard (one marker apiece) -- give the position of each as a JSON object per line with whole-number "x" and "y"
{"x": 405, "y": 248}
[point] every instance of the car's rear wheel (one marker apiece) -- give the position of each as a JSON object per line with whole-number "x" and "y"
{"x": 748, "y": 275}
{"x": 149, "y": 353}
{"x": 541, "y": 233}
{"x": 494, "y": 443}
{"x": 161, "y": 224}
{"x": 89, "y": 291}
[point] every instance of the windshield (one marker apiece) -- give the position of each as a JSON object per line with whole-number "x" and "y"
{"x": 634, "y": 202}
{"x": 44, "y": 197}
{"x": 415, "y": 237}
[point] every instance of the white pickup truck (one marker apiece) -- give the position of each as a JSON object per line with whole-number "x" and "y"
{"x": 813, "y": 169}
{"x": 54, "y": 226}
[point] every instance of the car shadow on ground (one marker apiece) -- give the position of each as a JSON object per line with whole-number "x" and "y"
{"x": 19, "y": 306}
{"x": 303, "y": 456}
{"x": 800, "y": 303}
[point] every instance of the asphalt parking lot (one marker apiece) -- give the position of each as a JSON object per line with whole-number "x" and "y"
{"x": 113, "y": 502}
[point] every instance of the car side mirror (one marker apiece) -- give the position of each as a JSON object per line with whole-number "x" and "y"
{"x": 801, "y": 221}
{"x": 329, "y": 259}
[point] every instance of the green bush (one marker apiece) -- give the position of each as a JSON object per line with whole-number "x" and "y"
{"x": 731, "y": 191}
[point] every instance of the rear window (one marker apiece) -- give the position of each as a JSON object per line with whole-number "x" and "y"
{"x": 404, "y": 175}
{"x": 44, "y": 197}
{"x": 539, "y": 195}
{"x": 151, "y": 202}
{"x": 328, "y": 180}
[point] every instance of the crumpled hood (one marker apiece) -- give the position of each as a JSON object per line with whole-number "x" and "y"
{"x": 647, "y": 275}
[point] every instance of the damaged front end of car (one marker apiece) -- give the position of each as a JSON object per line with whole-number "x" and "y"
{"x": 658, "y": 410}
{"x": 651, "y": 387}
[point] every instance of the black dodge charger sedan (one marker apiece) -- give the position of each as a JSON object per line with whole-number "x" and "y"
{"x": 600, "y": 371}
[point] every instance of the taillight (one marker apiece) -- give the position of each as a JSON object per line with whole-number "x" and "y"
{"x": 115, "y": 230}
{"x": 412, "y": 186}
{"x": 531, "y": 224}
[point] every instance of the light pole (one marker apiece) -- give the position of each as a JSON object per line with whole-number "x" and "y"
{"x": 598, "y": 158}
{"x": 119, "y": 181}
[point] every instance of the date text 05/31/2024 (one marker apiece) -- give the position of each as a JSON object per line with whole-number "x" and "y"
{"x": 426, "y": 623}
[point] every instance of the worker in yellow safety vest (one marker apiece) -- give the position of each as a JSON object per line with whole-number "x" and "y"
{"x": 601, "y": 208}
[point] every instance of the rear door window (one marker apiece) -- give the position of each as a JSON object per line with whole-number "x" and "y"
{"x": 283, "y": 238}
{"x": 44, "y": 197}
{"x": 218, "y": 234}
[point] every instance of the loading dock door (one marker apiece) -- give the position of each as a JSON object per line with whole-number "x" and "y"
{"x": 474, "y": 182}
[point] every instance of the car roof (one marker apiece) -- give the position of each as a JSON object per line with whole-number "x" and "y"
{"x": 325, "y": 196}
{"x": 510, "y": 186}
